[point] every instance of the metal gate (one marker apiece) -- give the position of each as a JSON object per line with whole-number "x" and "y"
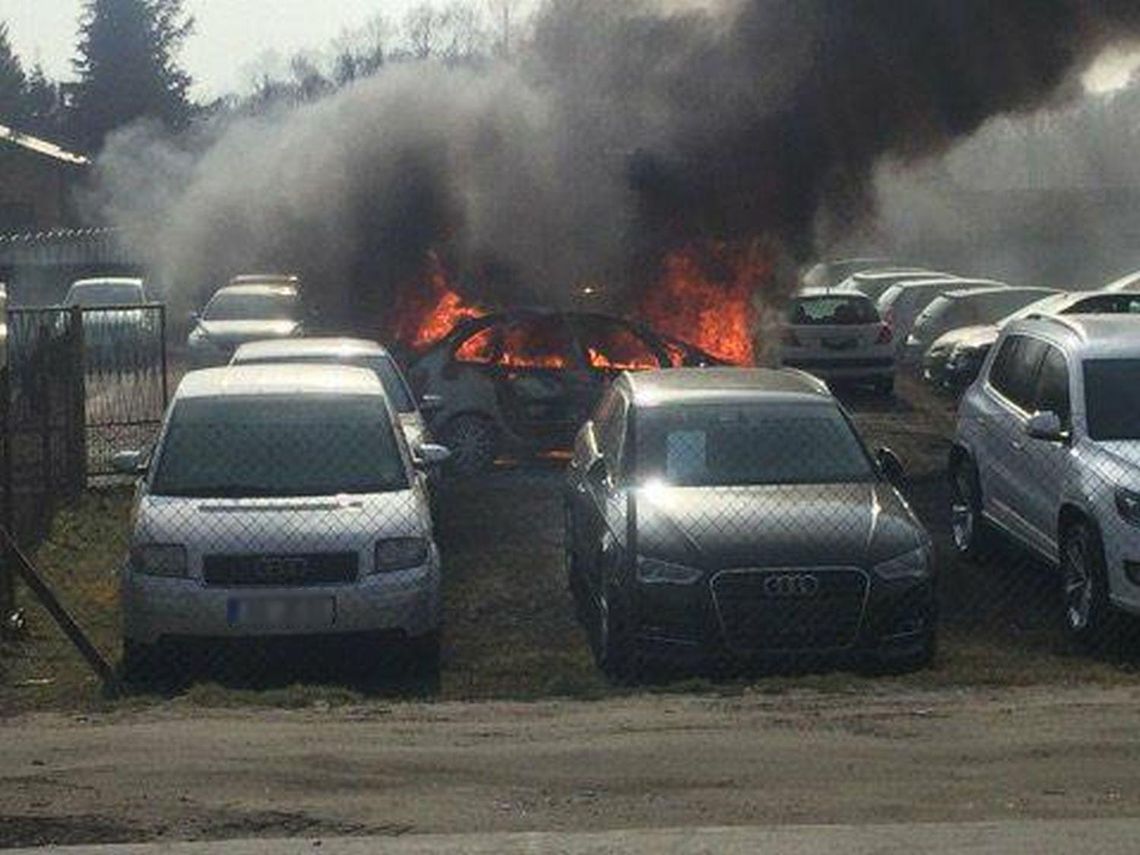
{"x": 125, "y": 378}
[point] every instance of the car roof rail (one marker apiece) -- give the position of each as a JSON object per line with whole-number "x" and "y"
{"x": 1058, "y": 320}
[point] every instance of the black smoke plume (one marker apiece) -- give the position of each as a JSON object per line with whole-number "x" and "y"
{"x": 627, "y": 128}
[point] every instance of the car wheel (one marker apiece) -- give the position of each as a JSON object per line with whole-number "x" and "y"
{"x": 141, "y": 663}
{"x": 473, "y": 442}
{"x": 966, "y": 521}
{"x": 1088, "y": 611}
{"x": 424, "y": 656}
{"x": 614, "y": 647}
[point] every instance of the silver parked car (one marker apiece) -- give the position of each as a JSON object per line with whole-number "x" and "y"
{"x": 735, "y": 512}
{"x": 874, "y": 283}
{"x": 901, "y": 304}
{"x": 965, "y": 308}
{"x": 348, "y": 351}
{"x": 115, "y": 333}
{"x": 238, "y": 314}
{"x": 1047, "y": 452}
{"x": 280, "y": 503}
{"x": 839, "y": 336}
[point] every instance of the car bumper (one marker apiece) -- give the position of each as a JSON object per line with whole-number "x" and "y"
{"x": 682, "y": 624}
{"x": 408, "y": 602}
{"x": 844, "y": 369}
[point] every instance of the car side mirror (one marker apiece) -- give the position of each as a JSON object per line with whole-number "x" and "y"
{"x": 129, "y": 462}
{"x": 891, "y": 466}
{"x": 431, "y": 404}
{"x": 1047, "y": 427}
{"x": 429, "y": 455}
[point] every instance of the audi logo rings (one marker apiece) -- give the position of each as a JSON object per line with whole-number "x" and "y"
{"x": 791, "y": 585}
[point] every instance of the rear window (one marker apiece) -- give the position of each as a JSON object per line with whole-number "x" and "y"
{"x": 105, "y": 294}
{"x": 1112, "y": 399}
{"x": 383, "y": 367}
{"x": 833, "y": 310}
{"x": 313, "y": 445}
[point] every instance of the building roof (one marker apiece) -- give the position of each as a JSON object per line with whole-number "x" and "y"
{"x": 10, "y": 136}
{"x": 675, "y": 385}
{"x": 254, "y": 380}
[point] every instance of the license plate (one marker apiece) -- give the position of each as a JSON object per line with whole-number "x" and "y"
{"x": 282, "y": 613}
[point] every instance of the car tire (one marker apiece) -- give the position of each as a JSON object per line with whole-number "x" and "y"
{"x": 614, "y": 643}
{"x": 424, "y": 653}
{"x": 473, "y": 441}
{"x": 141, "y": 663}
{"x": 1088, "y": 613}
{"x": 967, "y": 524}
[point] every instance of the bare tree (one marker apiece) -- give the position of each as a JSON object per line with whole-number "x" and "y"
{"x": 462, "y": 30}
{"x": 421, "y": 30}
{"x": 363, "y": 52}
{"x": 504, "y": 17}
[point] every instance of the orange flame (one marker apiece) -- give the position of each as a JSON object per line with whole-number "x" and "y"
{"x": 428, "y": 310}
{"x": 706, "y": 296}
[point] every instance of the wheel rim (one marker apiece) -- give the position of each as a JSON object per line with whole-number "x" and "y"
{"x": 963, "y": 518}
{"x": 471, "y": 444}
{"x": 1078, "y": 585}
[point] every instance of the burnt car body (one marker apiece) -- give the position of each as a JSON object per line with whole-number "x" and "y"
{"x": 735, "y": 514}
{"x": 524, "y": 381}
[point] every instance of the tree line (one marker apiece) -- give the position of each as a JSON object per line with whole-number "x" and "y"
{"x": 127, "y": 66}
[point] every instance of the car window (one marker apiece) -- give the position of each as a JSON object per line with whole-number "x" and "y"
{"x": 1112, "y": 399}
{"x": 1053, "y": 385}
{"x": 539, "y": 342}
{"x": 749, "y": 444}
{"x": 833, "y": 311}
{"x": 233, "y": 306}
{"x": 480, "y": 348}
{"x": 279, "y": 446}
{"x": 1106, "y": 304}
{"x": 612, "y": 345}
{"x": 105, "y": 294}
{"x": 1014, "y": 373}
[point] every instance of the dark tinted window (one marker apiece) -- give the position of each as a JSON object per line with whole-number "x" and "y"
{"x": 277, "y": 446}
{"x": 1053, "y": 385}
{"x": 749, "y": 444}
{"x": 1014, "y": 373}
{"x": 833, "y": 311}
{"x": 1112, "y": 398}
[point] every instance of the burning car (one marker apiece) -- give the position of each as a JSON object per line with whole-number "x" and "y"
{"x": 524, "y": 381}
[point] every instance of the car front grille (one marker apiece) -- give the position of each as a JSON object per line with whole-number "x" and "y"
{"x": 797, "y": 609}
{"x": 280, "y": 571}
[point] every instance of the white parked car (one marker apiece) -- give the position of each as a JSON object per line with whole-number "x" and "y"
{"x": 115, "y": 335}
{"x": 839, "y": 336}
{"x": 965, "y": 308}
{"x": 874, "y": 283}
{"x": 238, "y": 314}
{"x": 1047, "y": 451}
{"x": 1128, "y": 282}
{"x": 348, "y": 351}
{"x": 901, "y": 304}
{"x": 280, "y": 503}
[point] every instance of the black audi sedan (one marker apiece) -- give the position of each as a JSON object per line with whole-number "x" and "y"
{"x": 735, "y": 514}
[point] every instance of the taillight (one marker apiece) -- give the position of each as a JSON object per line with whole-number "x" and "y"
{"x": 886, "y": 334}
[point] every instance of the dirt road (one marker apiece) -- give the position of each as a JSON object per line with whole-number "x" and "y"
{"x": 644, "y": 761}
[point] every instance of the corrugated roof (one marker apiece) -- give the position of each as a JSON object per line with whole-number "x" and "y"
{"x": 41, "y": 147}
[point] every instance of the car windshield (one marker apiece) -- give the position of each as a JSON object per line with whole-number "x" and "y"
{"x": 279, "y": 446}
{"x": 1112, "y": 399}
{"x": 714, "y": 445}
{"x": 831, "y": 310}
{"x": 105, "y": 294}
{"x": 268, "y": 306}
{"x": 384, "y": 367}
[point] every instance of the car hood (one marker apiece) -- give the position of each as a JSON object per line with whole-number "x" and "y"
{"x": 279, "y": 525}
{"x": 982, "y": 335}
{"x": 777, "y": 526}
{"x": 1121, "y": 462}
{"x": 230, "y": 333}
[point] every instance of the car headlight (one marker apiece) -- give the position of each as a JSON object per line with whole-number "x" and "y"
{"x": 1128, "y": 504}
{"x": 400, "y": 553}
{"x": 167, "y": 561}
{"x": 654, "y": 572}
{"x": 913, "y": 564}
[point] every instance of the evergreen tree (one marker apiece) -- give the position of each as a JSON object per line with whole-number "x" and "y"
{"x": 43, "y": 108}
{"x": 13, "y": 83}
{"x": 128, "y": 68}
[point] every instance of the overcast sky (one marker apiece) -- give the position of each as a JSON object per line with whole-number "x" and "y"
{"x": 236, "y": 37}
{"x": 231, "y": 37}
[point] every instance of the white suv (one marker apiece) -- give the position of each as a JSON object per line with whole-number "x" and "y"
{"x": 280, "y": 502}
{"x": 1047, "y": 451}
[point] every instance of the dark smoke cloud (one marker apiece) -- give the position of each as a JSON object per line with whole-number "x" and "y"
{"x": 628, "y": 128}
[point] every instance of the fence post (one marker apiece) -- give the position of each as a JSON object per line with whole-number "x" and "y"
{"x": 43, "y": 392}
{"x": 7, "y": 522}
{"x": 162, "y": 352}
{"x": 76, "y": 425}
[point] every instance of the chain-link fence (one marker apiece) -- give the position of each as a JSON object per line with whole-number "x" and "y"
{"x": 284, "y": 539}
